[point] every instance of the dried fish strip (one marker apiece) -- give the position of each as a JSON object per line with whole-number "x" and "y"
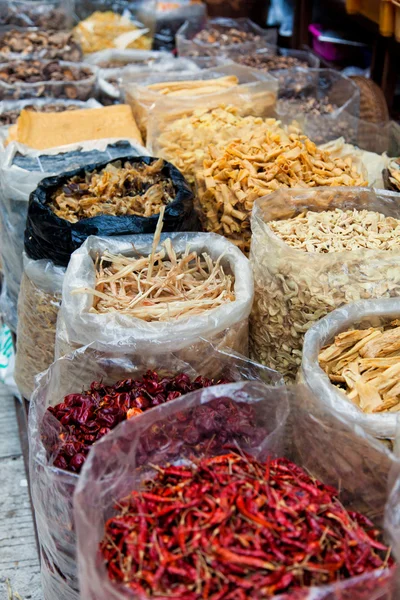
{"x": 234, "y": 177}
{"x": 329, "y": 231}
{"x": 118, "y": 189}
{"x": 365, "y": 365}
{"x": 161, "y": 286}
{"x": 184, "y": 138}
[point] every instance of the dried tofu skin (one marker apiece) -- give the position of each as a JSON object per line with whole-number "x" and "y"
{"x": 365, "y": 364}
{"x": 51, "y": 130}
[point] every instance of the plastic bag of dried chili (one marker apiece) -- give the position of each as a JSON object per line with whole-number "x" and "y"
{"x": 292, "y": 463}
{"x": 50, "y": 441}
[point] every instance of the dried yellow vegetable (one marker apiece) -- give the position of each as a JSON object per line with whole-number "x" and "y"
{"x": 365, "y": 365}
{"x": 235, "y": 176}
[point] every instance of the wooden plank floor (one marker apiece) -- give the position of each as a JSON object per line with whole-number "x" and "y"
{"x": 19, "y": 562}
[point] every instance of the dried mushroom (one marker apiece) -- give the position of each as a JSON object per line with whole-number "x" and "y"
{"x": 233, "y": 177}
{"x": 270, "y": 62}
{"x": 301, "y": 272}
{"x": 118, "y": 189}
{"x": 184, "y": 139}
{"x": 365, "y": 365}
{"x": 48, "y": 45}
{"x": 37, "y": 71}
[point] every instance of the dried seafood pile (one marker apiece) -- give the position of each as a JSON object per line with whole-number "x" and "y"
{"x": 128, "y": 189}
{"x": 235, "y": 176}
{"x": 105, "y": 30}
{"x": 9, "y": 117}
{"x": 391, "y": 176}
{"x": 50, "y": 44}
{"x": 301, "y": 273}
{"x": 184, "y": 140}
{"x": 37, "y": 318}
{"x": 270, "y": 62}
{"x": 365, "y": 365}
{"x": 221, "y": 36}
{"x": 161, "y": 286}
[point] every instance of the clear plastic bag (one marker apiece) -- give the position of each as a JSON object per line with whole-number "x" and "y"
{"x": 329, "y": 104}
{"x": 52, "y": 488}
{"x": 38, "y": 305}
{"x": 293, "y": 288}
{"x": 256, "y": 91}
{"x": 188, "y": 46}
{"x": 141, "y": 11}
{"x": 309, "y": 435}
{"x": 171, "y": 16}
{"x": 357, "y": 315}
{"x": 46, "y": 14}
{"x": 225, "y": 325}
{"x": 82, "y": 89}
{"x": 16, "y": 106}
{"x": 21, "y": 169}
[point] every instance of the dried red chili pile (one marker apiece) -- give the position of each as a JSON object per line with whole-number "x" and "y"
{"x": 87, "y": 417}
{"x": 229, "y": 527}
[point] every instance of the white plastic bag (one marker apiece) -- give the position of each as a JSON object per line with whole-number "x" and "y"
{"x": 227, "y": 324}
{"x": 293, "y": 288}
{"x": 53, "y": 488}
{"x": 21, "y": 169}
{"x": 38, "y": 304}
{"x": 357, "y": 315}
{"x": 309, "y": 435}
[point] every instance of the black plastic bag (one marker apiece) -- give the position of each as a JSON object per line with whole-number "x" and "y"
{"x": 48, "y": 236}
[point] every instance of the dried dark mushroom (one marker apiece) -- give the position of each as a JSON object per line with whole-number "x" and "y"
{"x": 270, "y": 62}
{"x": 41, "y": 44}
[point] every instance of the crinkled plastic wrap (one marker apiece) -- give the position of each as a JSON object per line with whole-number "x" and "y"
{"x": 302, "y": 431}
{"x": 46, "y": 14}
{"x": 293, "y": 288}
{"x": 21, "y": 170}
{"x": 256, "y": 93}
{"x": 52, "y": 489}
{"x": 379, "y": 137}
{"x": 82, "y": 89}
{"x": 188, "y": 46}
{"x": 38, "y": 305}
{"x": 357, "y": 315}
{"x": 226, "y": 325}
{"x": 330, "y": 87}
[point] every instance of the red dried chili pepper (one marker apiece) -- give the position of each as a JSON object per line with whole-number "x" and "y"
{"x": 235, "y": 529}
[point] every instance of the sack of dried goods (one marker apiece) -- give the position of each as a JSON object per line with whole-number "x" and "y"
{"x": 108, "y": 387}
{"x": 113, "y": 198}
{"x": 222, "y": 36}
{"x": 10, "y": 110}
{"x": 351, "y": 362}
{"x": 253, "y": 91}
{"x": 156, "y": 291}
{"x": 328, "y": 103}
{"x": 313, "y": 251}
{"x": 39, "y": 43}
{"x": 168, "y": 505}
{"x": 235, "y": 175}
{"x": 46, "y": 14}
{"x": 21, "y": 170}
{"x": 38, "y": 304}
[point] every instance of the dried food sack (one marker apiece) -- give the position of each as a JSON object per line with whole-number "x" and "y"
{"x": 19, "y": 43}
{"x": 350, "y": 362}
{"x": 21, "y": 170}
{"x": 38, "y": 304}
{"x": 211, "y": 295}
{"x": 313, "y": 251}
{"x": 221, "y": 35}
{"x": 34, "y": 78}
{"x": 297, "y": 451}
{"x": 236, "y": 174}
{"x": 96, "y": 369}
{"x": 255, "y": 92}
{"x": 48, "y": 14}
{"x": 170, "y": 18}
{"x": 328, "y": 102}
{"x": 11, "y": 109}
{"x": 113, "y": 198}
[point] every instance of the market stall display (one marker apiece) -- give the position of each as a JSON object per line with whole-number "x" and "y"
{"x": 110, "y": 377}
{"x": 39, "y": 43}
{"x": 236, "y": 175}
{"x": 242, "y": 514}
{"x": 46, "y": 14}
{"x": 314, "y": 251}
{"x": 53, "y": 79}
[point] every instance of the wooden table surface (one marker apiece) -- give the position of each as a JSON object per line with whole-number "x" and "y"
{"x": 19, "y": 561}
